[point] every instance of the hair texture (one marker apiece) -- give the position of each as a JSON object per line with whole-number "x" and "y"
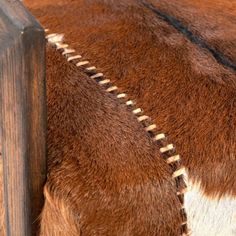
{"x": 106, "y": 177}
{"x": 177, "y": 61}
{"x": 178, "y": 82}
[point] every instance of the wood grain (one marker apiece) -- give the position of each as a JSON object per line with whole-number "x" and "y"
{"x": 23, "y": 117}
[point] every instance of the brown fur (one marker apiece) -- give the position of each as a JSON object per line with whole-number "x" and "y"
{"x": 105, "y": 175}
{"x": 181, "y": 86}
{"x": 96, "y": 180}
{"x": 214, "y": 21}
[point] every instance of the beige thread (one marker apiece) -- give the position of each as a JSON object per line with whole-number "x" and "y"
{"x": 61, "y": 46}
{"x": 50, "y": 35}
{"x": 178, "y": 172}
{"x": 68, "y": 51}
{"x": 173, "y": 159}
{"x": 166, "y": 148}
{"x": 159, "y": 137}
{"x": 136, "y": 111}
{"x": 129, "y": 103}
{"x": 91, "y": 68}
{"x": 112, "y": 88}
{"x": 96, "y": 75}
{"x": 121, "y": 95}
{"x": 74, "y": 57}
{"x": 151, "y": 127}
{"x": 82, "y": 63}
{"x": 53, "y": 38}
{"x": 142, "y": 118}
{"x": 105, "y": 81}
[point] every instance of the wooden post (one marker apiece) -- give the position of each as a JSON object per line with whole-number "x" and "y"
{"x": 22, "y": 117}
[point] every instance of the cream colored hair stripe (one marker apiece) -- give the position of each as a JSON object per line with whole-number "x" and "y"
{"x": 61, "y": 45}
{"x": 121, "y": 95}
{"x": 91, "y": 68}
{"x": 150, "y": 127}
{"x": 96, "y": 75}
{"x": 129, "y": 103}
{"x": 46, "y": 30}
{"x": 68, "y": 51}
{"x": 105, "y": 81}
{"x": 136, "y": 111}
{"x": 142, "y": 118}
{"x": 111, "y": 89}
{"x": 82, "y": 63}
{"x": 159, "y": 136}
{"x": 173, "y": 159}
{"x": 166, "y": 148}
{"x": 74, "y": 57}
{"x": 178, "y": 172}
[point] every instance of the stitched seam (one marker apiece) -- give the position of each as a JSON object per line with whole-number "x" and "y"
{"x": 167, "y": 150}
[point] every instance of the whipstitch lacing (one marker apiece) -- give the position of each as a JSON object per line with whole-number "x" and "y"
{"x": 167, "y": 150}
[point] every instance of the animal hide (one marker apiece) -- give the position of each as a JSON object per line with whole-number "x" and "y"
{"x": 176, "y": 59}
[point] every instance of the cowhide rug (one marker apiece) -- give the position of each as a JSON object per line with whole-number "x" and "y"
{"x": 121, "y": 77}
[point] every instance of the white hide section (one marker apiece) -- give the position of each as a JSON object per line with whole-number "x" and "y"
{"x": 208, "y": 216}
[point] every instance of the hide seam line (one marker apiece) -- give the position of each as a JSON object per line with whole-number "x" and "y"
{"x": 167, "y": 150}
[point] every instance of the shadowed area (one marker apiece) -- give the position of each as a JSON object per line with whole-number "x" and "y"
{"x": 178, "y": 25}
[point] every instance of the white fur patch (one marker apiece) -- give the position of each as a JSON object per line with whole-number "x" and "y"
{"x": 210, "y": 216}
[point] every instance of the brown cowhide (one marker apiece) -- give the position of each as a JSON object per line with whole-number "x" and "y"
{"x": 176, "y": 59}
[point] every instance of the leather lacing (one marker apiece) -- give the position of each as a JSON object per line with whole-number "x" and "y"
{"x": 167, "y": 150}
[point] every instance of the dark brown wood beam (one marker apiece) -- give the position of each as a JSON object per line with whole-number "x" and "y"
{"x": 22, "y": 117}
